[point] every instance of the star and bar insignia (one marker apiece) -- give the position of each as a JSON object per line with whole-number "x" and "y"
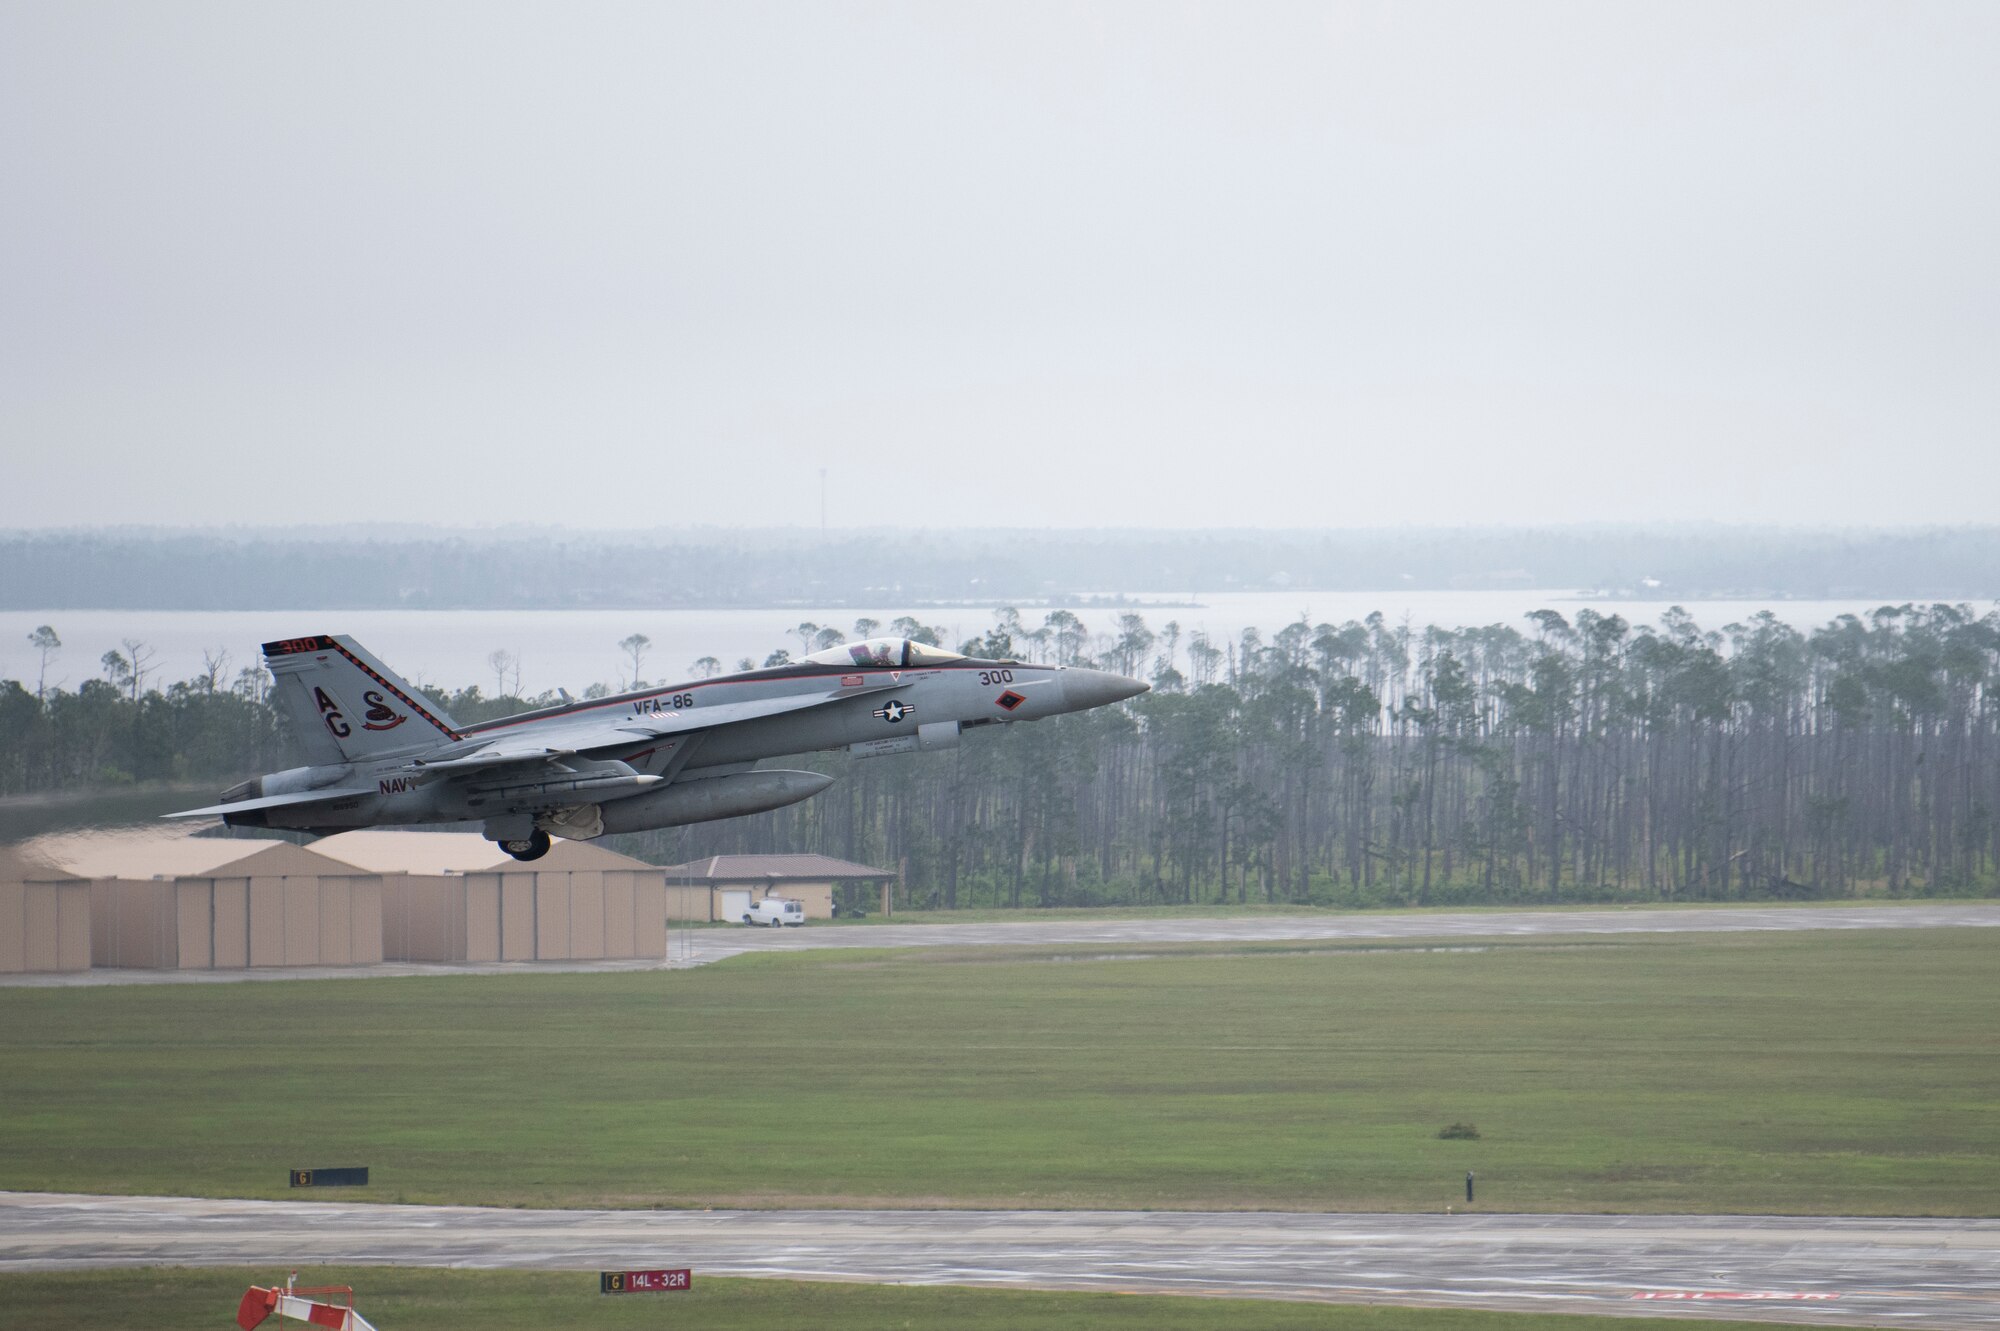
{"x": 895, "y": 710}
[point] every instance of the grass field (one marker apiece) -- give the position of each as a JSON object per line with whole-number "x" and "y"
{"x": 401, "y": 1300}
{"x": 1836, "y": 1072}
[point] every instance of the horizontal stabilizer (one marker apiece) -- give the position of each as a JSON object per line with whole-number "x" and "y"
{"x": 276, "y": 801}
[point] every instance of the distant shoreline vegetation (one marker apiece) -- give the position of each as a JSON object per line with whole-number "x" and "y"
{"x": 358, "y": 569}
{"x": 1359, "y": 764}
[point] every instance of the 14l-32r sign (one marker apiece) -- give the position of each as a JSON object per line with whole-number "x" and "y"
{"x": 643, "y": 1282}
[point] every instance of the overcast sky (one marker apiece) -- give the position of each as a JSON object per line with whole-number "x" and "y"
{"x": 1011, "y": 264}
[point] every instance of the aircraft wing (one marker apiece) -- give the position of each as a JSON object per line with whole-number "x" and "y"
{"x": 276, "y": 801}
{"x": 598, "y": 729}
{"x": 729, "y": 713}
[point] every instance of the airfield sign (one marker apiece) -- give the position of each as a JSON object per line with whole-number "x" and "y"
{"x": 356, "y": 1177}
{"x": 643, "y": 1282}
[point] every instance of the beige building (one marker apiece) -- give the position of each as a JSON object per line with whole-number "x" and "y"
{"x": 729, "y": 883}
{"x": 44, "y": 917}
{"x": 455, "y": 896}
{"x": 168, "y": 900}
{"x": 172, "y": 901}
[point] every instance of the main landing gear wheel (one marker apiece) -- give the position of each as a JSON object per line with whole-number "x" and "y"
{"x": 533, "y": 848}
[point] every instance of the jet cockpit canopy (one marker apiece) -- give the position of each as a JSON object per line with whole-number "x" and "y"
{"x": 883, "y": 654}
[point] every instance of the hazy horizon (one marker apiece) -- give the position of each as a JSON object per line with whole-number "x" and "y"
{"x": 1064, "y": 266}
{"x": 694, "y": 531}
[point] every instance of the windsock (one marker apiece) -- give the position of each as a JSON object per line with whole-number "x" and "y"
{"x": 260, "y": 1303}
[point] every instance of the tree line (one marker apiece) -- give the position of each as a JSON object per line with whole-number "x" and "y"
{"x": 1369, "y": 763}
{"x": 1573, "y": 759}
{"x": 120, "y": 728}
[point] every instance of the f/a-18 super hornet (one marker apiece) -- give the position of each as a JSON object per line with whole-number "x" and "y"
{"x": 380, "y": 753}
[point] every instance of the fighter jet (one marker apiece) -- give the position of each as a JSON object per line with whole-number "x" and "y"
{"x": 381, "y": 754}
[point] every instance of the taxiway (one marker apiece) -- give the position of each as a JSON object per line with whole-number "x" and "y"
{"x": 1840, "y": 1272}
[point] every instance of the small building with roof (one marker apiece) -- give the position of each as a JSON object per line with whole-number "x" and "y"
{"x": 167, "y": 900}
{"x": 455, "y": 896}
{"x": 731, "y": 882}
{"x": 44, "y": 916}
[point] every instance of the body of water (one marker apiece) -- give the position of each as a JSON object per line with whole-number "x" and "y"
{"x": 576, "y": 648}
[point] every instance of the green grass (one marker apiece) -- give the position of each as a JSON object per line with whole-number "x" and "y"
{"x": 404, "y": 1299}
{"x": 1835, "y": 1072}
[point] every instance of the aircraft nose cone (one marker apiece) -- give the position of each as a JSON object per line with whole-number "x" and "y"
{"x": 1095, "y": 688}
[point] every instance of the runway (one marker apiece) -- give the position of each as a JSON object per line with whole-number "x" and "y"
{"x": 706, "y": 945}
{"x": 1834, "y": 1272}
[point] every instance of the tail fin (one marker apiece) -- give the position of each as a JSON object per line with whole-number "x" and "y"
{"x": 345, "y": 706}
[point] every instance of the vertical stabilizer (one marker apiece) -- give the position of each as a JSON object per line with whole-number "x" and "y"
{"x": 346, "y": 706}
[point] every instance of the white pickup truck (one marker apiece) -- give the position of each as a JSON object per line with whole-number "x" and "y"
{"x": 776, "y": 912}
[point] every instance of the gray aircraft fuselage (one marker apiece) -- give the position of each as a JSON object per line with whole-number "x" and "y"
{"x": 655, "y": 757}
